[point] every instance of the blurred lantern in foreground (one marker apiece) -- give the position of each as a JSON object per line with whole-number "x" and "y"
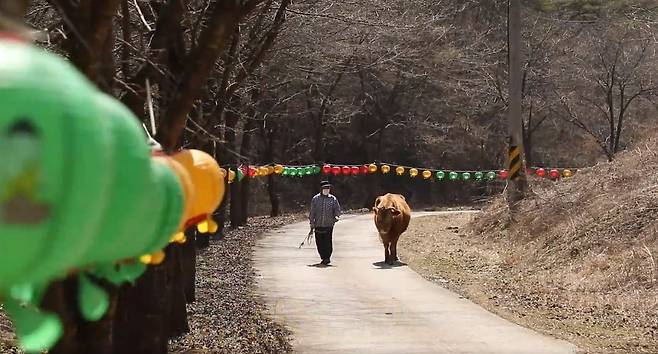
{"x": 80, "y": 191}
{"x": 204, "y": 172}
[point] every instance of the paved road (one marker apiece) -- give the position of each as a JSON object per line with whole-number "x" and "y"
{"x": 359, "y": 306}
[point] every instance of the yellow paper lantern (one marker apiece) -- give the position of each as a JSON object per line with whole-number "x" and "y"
{"x": 270, "y": 170}
{"x": 206, "y": 178}
{"x": 413, "y": 172}
{"x": 278, "y": 169}
{"x": 189, "y": 189}
{"x": 427, "y": 174}
{"x": 399, "y": 170}
{"x": 567, "y": 173}
{"x": 386, "y": 169}
{"x": 231, "y": 176}
{"x": 222, "y": 172}
{"x": 262, "y": 171}
{"x": 372, "y": 168}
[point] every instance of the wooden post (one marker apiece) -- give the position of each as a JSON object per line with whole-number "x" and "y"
{"x": 517, "y": 181}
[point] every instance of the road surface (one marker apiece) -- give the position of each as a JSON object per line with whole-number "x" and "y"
{"x": 359, "y": 305}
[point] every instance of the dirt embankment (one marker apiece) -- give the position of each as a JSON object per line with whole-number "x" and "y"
{"x": 579, "y": 262}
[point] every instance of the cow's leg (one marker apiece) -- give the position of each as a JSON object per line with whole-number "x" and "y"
{"x": 389, "y": 255}
{"x": 386, "y": 252}
{"x": 394, "y": 250}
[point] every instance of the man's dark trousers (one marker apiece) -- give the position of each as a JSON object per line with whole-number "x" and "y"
{"x": 323, "y": 237}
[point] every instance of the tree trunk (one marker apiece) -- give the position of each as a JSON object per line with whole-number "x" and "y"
{"x": 177, "y": 324}
{"x": 245, "y": 148}
{"x": 274, "y": 198}
{"x": 143, "y": 309}
{"x": 60, "y": 299}
{"x": 231, "y": 119}
{"x": 188, "y": 264}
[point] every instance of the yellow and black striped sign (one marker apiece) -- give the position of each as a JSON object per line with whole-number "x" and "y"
{"x": 515, "y": 163}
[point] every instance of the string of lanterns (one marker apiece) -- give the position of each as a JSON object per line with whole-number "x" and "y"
{"x": 385, "y": 168}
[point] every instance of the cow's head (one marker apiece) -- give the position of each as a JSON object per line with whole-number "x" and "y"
{"x": 386, "y": 213}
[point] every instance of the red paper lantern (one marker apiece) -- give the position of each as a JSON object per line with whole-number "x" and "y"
{"x": 347, "y": 170}
{"x": 335, "y": 170}
{"x": 541, "y": 172}
{"x": 554, "y": 174}
{"x": 355, "y": 170}
{"x": 252, "y": 171}
{"x": 326, "y": 169}
{"x": 364, "y": 170}
{"x": 503, "y": 174}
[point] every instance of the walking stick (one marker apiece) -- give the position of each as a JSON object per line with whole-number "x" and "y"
{"x": 307, "y": 239}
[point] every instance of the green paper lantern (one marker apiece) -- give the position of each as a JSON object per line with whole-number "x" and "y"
{"x": 440, "y": 175}
{"x": 453, "y": 176}
{"x": 466, "y": 176}
{"x": 78, "y": 187}
{"x": 35, "y": 330}
{"x": 94, "y": 301}
{"x": 479, "y": 176}
{"x": 491, "y": 175}
{"x": 79, "y": 183}
{"x": 317, "y": 170}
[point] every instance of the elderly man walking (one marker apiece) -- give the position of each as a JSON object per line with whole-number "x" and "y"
{"x": 325, "y": 211}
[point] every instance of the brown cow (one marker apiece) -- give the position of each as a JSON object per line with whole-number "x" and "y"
{"x": 392, "y": 215}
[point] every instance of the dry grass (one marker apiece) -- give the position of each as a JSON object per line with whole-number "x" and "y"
{"x": 579, "y": 262}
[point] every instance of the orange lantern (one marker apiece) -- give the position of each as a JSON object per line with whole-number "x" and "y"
{"x": 189, "y": 194}
{"x": 399, "y": 170}
{"x": 206, "y": 178}
{"x": 413, "y": 172}
{"x": 372, "y": 168}
{"x": 427, "y": 174}
{"x": 386, "y": 169}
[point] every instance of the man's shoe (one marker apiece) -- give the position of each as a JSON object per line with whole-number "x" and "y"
{"x": 325, "y": 261}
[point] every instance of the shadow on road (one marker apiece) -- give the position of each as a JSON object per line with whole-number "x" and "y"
{"x": 383, "y": 265}
{"x": 319, "y": 265}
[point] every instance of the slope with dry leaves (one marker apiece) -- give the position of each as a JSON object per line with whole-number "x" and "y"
{"x": 578, "y": 262}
